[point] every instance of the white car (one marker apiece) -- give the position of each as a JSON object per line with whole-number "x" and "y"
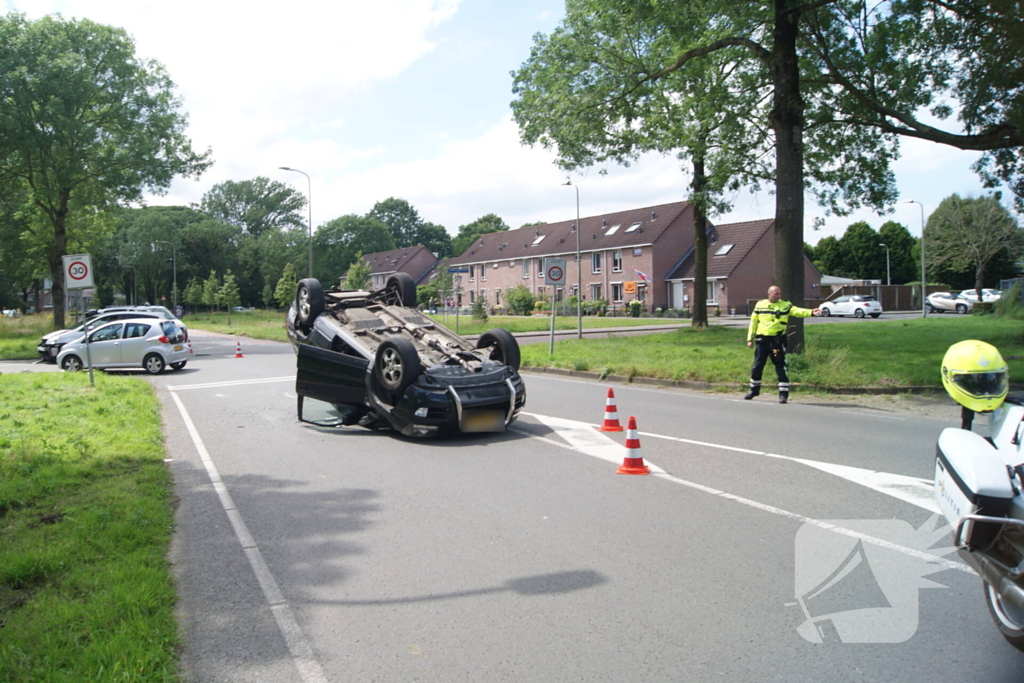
{"x": 857, "y": 305}
{"x": 987, "y": 295}
{"x": 148, "y": 343}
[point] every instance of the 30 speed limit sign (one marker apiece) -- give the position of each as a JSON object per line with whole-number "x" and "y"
{"x": 554, "y": 271}
{"x": 78, "y": 271}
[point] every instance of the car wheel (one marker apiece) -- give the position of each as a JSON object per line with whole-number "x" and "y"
{"x": 309, "y": 301}
{"x": 153, "y": 364}
{"x": 961, "y": 308}
{"x": 1009, "y": 619}
{"x": 826, "y": 312}
{"x": 400, "y": 290}
{"x": 71, "y": 363}
{"x": 858, "y": 313}
{"x": 397, "y": 366}
{"x": 178, "y": 366}
{"x": 504, "y": 347}
{"x": 875, "y": 315}
{"x": 928, "y": 308}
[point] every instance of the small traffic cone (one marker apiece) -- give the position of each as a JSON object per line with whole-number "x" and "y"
{"x": 633, "y": 463}
{"x": 190, "y": 351}
{"x": 238, "y": 349}
{"x": 611, "y": 415}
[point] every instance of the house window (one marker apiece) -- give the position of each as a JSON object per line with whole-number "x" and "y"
{"x": 511, "y": 264}
{"x": 572, "y": 290}
{"x": 634, "y": 227}
{"x": 497, "y": 297}
{"x": 616, "y": 291}
{"x": 595, "y": 262}
{"x": 540, "y": 266}
{"x": 483, "y": 295}
{"x": 595, "y": 292}
{"x": 724, "y": 249}
{"x": 617, "y": 261}
{"x": 526, "y": 267}
{"x": 641, "y": 291}
{"x": 612, "y": 230}
{"x": 472, "y": 271}
{"x": 712, "y": 292}
{"x": 472, "y": 296}
{"x": 483, "y": 273}
{"x": 638, "y": 252}
{"x": 540, "y": 291}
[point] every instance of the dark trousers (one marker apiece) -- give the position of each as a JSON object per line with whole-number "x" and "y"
{"x": 774, "y": 348}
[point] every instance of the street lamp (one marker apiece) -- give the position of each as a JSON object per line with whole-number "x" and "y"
{"x": 309, "y": 203}
{"x": 579, "y": 266}
{"x": 135, "y": 286}
{"x": 174, "y": 266}
{"x": 924, "y": 309}
{"x": 888, "y": 274}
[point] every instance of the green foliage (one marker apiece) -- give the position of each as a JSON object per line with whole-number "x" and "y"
{"x": 966, "y": 234}
{"x": 268, "y": 296}
{"x": 228, "y": 294}
{"x": 194, "y": 293}
{"x": 256, "y": 206}
{"x": 471, "y": 231}
{"x": 479, "y": 309}
{"x": 211, "y": 291}
{"x": 284, "y": 292}
{"x": 1009, "y": 305}
{"x": 520, "y": 300}
{"x": 337, "y": 242}
{"x": 358, "y": 276}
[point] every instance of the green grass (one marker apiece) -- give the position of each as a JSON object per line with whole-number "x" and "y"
{"x": 20, "y": 336}
{"x": 86, "y": 592}
{"x": 895, "y": 353}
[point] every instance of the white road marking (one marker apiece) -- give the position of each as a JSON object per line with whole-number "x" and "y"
{"x": 583, "y": 438}
{"x": 302, "y": 654}
{"x": 233, "y": 383}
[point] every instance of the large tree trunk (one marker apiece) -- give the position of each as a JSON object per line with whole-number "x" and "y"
{"x": 700, "y": 244}
{"x": 787, "y": 122}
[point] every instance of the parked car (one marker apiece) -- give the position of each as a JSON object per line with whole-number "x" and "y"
{"x": 942, "y": 302}
{"x": 987, "y": 295}
{"x": 50, "y": 345}
{"x": 152, "y": 344}
{"x": 240, "y": 309}
{"x": 857, "y": 305}
{"x": 369, "y": 358}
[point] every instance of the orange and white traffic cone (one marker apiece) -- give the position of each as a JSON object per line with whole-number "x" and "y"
{"x": 633, "y": 463}
{"x": 611, "y": 415}
{"x": 190, "y": 351}
{"x": 238, "y": 349}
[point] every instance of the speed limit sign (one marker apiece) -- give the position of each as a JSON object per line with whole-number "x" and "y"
{"x": 78, "y": 271}
{"x": 554, "y": 271}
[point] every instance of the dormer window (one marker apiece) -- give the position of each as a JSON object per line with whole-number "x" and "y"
{"x": 612, "y": 230}
{"x": 633, "y": 227}
{"x": 540, "y": 238}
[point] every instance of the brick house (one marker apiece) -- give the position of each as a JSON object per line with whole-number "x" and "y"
{"x": 741, "y": 267}
{"x": 625, "y": 255}
{"x": 417, "y": 262}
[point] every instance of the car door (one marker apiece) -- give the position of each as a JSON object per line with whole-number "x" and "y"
{"x": 331, "y": 376}
{"x": 841, "y": 306}
{"x": 105, "y": 345}
{"x": 134, "y": 342}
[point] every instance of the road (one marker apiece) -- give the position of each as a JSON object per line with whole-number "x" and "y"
{"x": 351, "y": 555}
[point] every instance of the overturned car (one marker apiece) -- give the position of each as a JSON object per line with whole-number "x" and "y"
{"x": 369, "y": 358}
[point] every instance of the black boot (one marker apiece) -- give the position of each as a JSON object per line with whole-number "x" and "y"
{"x": 754, "y": 391}
{"x": 783, "y": 397}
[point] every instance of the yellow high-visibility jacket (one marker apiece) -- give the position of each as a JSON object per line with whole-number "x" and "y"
{"x": 770, "y": 319}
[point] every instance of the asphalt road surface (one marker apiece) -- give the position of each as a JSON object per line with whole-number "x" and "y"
{"x": 309, "y": 554}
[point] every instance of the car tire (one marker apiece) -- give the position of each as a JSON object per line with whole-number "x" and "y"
{"x": 858, "y": 313}
{"x": 400, "y": 290}
{"x": 928, "y": 308}
{"x": 309, "y": 302}
{"x": 875, "y": 315}
{"x": 71, "y": 363}
{"x": 396, "y": 367}
{"x": 504, "y": 347}
{"x": 178, "y": 366}
{"x": 825, "y": 312}
{"x": 153, "y": 364}
{"x": 961, "y": 308}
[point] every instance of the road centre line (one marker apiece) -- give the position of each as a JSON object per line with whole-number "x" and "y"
{"x": 299, "y": 647}
{"x": 583, "y": 438}
{"x": 237, "y": 382}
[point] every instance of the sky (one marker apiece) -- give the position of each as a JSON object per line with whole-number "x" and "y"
{"x": 411, "y": 99}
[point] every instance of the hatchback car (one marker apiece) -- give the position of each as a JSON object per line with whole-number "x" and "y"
{"x": 943, "y": 302}
{"x": 152, "y": 344}
{"x": 857, "y": 305}
{"x": 50, "y": 345}
{"x": 369, "y": 358}
{"x": 987, "y": 295}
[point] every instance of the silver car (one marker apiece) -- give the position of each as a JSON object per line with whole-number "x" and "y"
{"x": 148, "y": 343}
{"x": 944, "y": 302}
{"x": 987, "y": 295}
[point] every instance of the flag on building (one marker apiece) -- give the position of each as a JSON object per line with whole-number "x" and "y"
{"x": 641, "y": 275}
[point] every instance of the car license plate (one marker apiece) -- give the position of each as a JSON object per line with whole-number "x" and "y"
{"x": 179, "y": 347}
{"x": 483, "y": 421}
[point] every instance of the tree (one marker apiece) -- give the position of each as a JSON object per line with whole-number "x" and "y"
{"x": 211, "y": 290}
{"x": 828, "y": 257}
{"x": 520, "y": 300}
{"x": 481, "y": 226}
{"x": 358, "y": 276}
{"x": 228, "y": 294}
{"x": 402, "y": 220}
{"x": 968, "y": 233}
{"x": 902, "y": 265}
{"x": 285, "y": 290}
{"x": 256, "y": 205}
{"x": 84, "y": 124}
{"x": 863, "y": 258}
{"x": 436, "y": 238}
{"x": 194, "y": 293}
{"x": 338, "y": 241}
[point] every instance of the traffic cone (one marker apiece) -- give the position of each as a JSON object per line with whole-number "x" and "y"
{"x": 633, "y": 463}
{"x": 238, "y": 349}
{"x": 190, "y": 351}
{"x": 611, "y": 415}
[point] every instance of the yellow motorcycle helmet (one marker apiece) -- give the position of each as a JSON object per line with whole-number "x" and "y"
{"x": 975, "y": 375}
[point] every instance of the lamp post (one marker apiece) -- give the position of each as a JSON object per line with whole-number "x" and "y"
{"x": 579, "y": 267}
{"x": 135, "y": 286}
{"x": 309, "y": 203}
{"x": 888, "y": 274}
{"x": 174, "y": 266}
{"x": 924, "y": 308}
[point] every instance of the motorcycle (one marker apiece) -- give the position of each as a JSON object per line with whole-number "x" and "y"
{"x": 978, "y": 487}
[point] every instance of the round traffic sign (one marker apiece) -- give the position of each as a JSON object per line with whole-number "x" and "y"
{"x": 555, "y": 273}
{"x": 78, "y": 270}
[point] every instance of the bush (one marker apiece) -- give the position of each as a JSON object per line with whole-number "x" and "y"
{"x": 1008, "y": 305}
{"x": 983, "y": 308}
{"x": 480, "y": 310}
{"x": 520, "y": 300}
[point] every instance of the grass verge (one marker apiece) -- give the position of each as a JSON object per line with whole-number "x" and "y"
{"x": 86, "y": 592}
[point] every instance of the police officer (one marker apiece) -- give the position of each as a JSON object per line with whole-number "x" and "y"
{"x": 767, "y": 330}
